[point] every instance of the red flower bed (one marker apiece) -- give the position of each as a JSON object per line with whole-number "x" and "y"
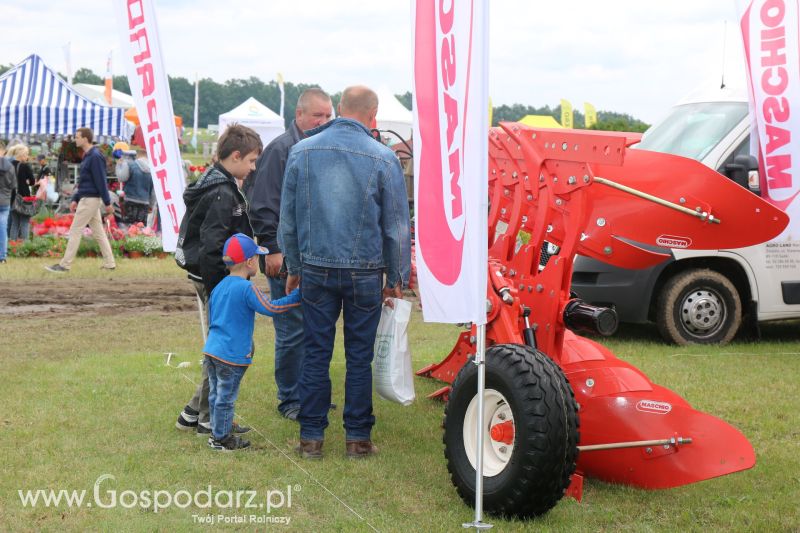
{"x": 53, "y": 226}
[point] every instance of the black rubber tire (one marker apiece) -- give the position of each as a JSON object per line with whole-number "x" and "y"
{"x": 681, "y": 297}
{"x": 546, "y": 437}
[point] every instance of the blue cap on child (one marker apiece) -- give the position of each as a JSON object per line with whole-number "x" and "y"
{"x": 239, "y": 248}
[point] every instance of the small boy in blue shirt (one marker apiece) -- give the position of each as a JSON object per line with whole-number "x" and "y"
{"x": 229, "y": 348}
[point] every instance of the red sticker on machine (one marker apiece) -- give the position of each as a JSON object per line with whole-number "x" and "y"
{"x": 651, "y": 406}
{"x": 673, "y": 241}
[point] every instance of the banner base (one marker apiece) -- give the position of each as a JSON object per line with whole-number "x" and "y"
{"x": 477, "y": 525}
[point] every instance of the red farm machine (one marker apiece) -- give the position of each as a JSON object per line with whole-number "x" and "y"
{"x": 559, "y": 406}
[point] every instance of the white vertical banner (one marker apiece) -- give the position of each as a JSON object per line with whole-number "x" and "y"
{"x": 772, "y": 55}
{"x": 451, "y": 127}
{"x": 141, "y": 52}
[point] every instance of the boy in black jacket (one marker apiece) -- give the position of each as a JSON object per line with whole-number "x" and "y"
{"x": 215, "y": 210}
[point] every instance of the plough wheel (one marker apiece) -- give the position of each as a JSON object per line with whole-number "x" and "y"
{"x": 530, "y": 432}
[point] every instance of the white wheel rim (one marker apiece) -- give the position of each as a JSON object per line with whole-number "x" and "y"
{"x": 703, "y": 312}
{"x": 496, "y": 410}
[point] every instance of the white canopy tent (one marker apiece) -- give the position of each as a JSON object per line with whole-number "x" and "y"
{"x": 255, "y": 115}
{"x": 96, "y": 93}
{"x": 34, "y": 100}
{"x": 393, "y": 115}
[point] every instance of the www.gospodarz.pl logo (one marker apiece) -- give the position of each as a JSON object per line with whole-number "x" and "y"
{"x": 104, "y": 496}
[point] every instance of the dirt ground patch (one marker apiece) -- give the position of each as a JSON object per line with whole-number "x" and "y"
{"x": 69, "y": 297}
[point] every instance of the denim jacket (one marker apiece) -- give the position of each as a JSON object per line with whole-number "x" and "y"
{"x": 344, "y": 203}
{"x": 137, "y": 179}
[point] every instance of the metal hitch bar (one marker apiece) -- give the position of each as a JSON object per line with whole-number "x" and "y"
{"x": 636, "y": 444}
{"x": 660, "y": 201}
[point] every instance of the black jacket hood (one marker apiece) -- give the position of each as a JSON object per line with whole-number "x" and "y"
{"x": 210, "y": 178}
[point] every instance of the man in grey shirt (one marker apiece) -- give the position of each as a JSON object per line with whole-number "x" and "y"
{"x": 314, "y": 108}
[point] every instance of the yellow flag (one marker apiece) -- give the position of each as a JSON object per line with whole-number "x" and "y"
{"x": 566, "y": 114}
{"x": 591, "y": 115}
{"x": 491, "y": 110}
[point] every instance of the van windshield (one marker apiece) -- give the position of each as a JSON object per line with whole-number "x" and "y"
{"x": 693, "y": 130}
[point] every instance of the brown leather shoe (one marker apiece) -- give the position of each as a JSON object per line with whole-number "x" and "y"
{"x": 359, "y": 449}
{"x": 309, "y": 449}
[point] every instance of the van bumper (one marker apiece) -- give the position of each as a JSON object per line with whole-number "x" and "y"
{"x": 629, "y": 292}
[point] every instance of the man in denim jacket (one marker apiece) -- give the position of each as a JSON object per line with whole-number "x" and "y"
{"x": 344, "y": 223}
{"x": 135, "y": 174}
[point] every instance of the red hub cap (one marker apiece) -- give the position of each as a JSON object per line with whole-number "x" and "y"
{"x": 503, "y": 432}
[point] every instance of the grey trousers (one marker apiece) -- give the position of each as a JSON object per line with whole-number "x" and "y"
{"x": 199, "y": 401}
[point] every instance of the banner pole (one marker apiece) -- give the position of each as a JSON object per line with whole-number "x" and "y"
{"x": 203, "y": 318}
{"x": 480, "y": 354}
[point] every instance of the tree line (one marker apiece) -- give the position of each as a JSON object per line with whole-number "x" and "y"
{"x": 606, "y": 120}
{"x": 216, "y": 98}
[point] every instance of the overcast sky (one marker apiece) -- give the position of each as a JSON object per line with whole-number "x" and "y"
{"x": 630, "y": 56}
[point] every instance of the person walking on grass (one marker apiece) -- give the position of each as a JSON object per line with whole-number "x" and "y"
{"x": 90, "y": 195}
{"x": 344, "y": 224}
{"x": 229, "y": 349}
{"x": 215, "y": 210}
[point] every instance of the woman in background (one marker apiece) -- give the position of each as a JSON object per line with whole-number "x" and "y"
{"x": 20, "y": 223}
{"x": 7, "y": 184}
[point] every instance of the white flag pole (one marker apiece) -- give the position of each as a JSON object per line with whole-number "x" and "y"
{"x": 480, "y": 355}
{"x": 482, "y": 71}
{"x": 450, "y": 171}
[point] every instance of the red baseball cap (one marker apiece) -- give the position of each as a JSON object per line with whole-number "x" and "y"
{"x": 239, "y": 248}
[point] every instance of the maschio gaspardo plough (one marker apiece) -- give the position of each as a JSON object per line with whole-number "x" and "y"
{"x": 567, "y": 192}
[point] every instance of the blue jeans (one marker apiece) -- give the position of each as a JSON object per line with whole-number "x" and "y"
{"x": 20, "y": 226}
{"x": 4, "y": 211}
{"x": 289, "y": 348}
{"x": 223, "y": 389}
{"x": 326, "y": 292}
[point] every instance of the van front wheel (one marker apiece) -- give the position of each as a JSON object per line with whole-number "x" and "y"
{"x": 698, "y": 306}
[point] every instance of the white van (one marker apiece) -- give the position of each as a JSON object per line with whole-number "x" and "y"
{"x": 703, "y": 296}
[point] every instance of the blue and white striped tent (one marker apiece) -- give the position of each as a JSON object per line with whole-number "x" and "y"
{"x": 35, "y": 100}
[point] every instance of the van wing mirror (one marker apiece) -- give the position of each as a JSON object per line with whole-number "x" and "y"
{"x": 740, "y": 172}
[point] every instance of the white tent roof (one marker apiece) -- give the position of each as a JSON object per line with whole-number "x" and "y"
{"x": 392, "y": 115}
{"x": 96, "y": 93}
{"x": 255, "y": 115}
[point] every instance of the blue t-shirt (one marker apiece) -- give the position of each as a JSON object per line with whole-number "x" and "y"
{"x": 233, "y": 306}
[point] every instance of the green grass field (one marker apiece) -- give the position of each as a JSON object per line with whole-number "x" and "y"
{"x": 90, "y": 396}
{"x": 203, "y": 136}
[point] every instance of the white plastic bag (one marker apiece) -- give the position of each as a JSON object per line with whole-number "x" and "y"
{"x": 391, "y": 372}
{"x": 52, "y": 195}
